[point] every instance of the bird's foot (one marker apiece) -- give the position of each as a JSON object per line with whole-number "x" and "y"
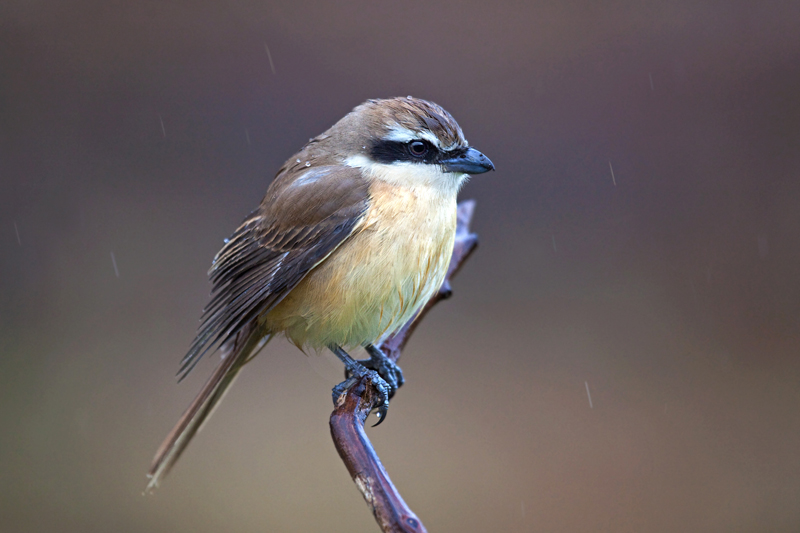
{"x": 354, "y": 371}
{"x": 375, "y": 379}
{"x": 391, "y": 373}
{"x": 385, "y": 367}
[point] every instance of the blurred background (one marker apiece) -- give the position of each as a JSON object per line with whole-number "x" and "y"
{"x": 621, "y": 353}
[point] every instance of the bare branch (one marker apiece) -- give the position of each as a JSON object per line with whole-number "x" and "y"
{"x": 353, "y": 407}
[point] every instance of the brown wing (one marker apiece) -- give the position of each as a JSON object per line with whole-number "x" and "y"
{"x": 305, "y": 215}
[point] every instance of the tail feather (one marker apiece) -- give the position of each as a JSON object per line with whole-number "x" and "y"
{"x": 245, "y": 346}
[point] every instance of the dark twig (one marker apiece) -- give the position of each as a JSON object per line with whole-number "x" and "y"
{"x": 353, "y": 407}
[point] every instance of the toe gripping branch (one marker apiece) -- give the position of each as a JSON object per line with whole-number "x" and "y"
{"x": 355, "y": 402}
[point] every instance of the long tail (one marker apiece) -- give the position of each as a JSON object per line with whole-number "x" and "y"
{"x": 244, "y": 348}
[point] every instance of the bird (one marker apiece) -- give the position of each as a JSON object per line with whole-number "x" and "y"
{"x": 353, "y": 236}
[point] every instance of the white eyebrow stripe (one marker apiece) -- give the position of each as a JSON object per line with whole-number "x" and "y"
{"x": 404, "y": 135}
{"x": 453, "y": 146}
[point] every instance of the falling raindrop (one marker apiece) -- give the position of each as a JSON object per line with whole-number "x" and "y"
{"x": 269, "y": 56}
{"x": 114, "y": 262}
{"x": 612, "y": 174}
{"x": 588, "y": 394}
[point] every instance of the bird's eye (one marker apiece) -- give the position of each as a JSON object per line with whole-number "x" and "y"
{"x": 417, "y": 148}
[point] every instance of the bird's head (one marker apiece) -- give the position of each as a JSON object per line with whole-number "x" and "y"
{"x": 407, "y": 141}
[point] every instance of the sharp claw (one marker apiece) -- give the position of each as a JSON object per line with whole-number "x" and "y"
{"x": 381, "y": 414}
{"x": 383, "y": 408}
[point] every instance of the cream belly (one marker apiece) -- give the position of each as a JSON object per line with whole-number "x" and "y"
{"x": 379, "y": 278}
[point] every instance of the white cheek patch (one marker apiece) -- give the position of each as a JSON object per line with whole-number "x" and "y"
{"x": 358, "y": 161}
{"x": 409, "y": 174}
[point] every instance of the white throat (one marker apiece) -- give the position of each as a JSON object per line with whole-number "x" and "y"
{"x": 411, "y": 175}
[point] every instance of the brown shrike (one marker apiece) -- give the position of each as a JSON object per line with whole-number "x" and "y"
{"x": 353, "y": 237}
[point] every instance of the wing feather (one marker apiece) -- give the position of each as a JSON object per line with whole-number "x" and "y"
{"x": 303, "y": 218}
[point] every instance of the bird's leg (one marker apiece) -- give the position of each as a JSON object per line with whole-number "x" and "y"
{"x": 355, "y": 370}
{"x": 385, "y": 367}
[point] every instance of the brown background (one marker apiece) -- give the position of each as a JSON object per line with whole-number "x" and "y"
{"x": 675, "y": 295}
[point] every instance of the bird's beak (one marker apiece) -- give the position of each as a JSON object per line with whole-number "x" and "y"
{"x": 470, "y": 162}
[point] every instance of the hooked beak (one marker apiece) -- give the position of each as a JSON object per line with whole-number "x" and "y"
{"x": 470, "y": 162}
